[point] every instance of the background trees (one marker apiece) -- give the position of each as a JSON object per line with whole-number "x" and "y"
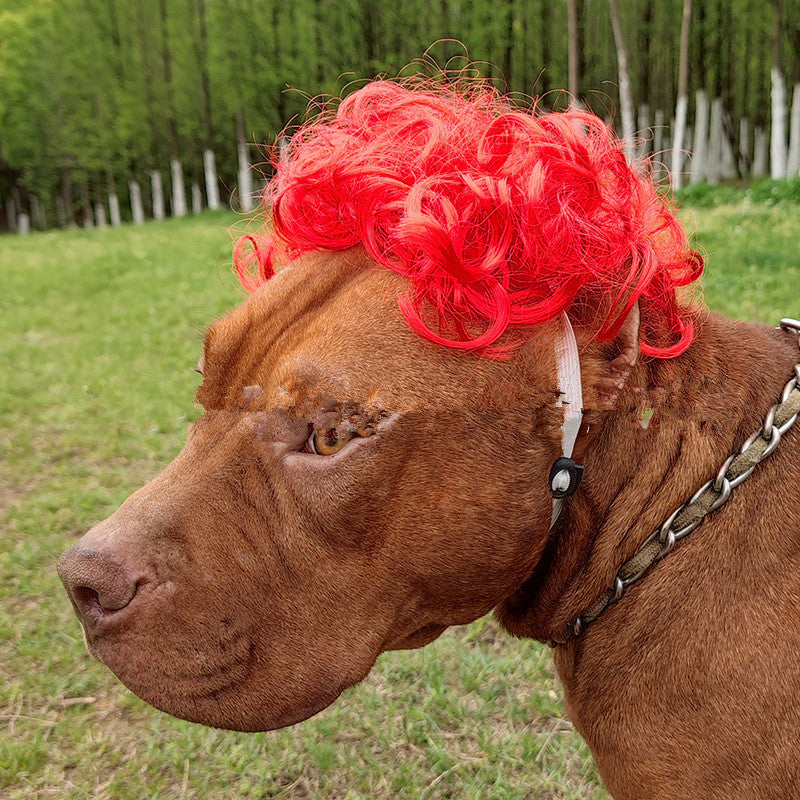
{"x": 96, "y": 94}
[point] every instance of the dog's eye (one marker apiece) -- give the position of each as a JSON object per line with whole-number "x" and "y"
{"x": 327, "y": 442}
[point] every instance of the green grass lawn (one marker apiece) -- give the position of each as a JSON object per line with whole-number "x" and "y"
{"x": 99, "y": 332}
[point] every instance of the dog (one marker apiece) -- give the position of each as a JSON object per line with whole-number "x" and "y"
{"x": 465, "y": 380}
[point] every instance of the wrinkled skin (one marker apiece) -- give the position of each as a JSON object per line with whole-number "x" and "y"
{"x": 253, "y": 581}
{"x": 270, "y": 579}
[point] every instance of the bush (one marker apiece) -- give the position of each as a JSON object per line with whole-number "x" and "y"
{"x": 763, "y": 191}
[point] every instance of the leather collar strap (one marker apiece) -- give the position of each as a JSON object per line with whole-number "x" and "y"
{"x": 707, "y": 499}
{"x": 566, "y": 475}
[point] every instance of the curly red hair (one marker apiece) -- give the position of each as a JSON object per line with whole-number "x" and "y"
{"x": 499, "y": 218}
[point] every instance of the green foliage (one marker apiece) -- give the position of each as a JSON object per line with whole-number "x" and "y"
{"x": 99, "y": 91}
{"x": 99, "y": 332}
{"x": 766, "y": 191}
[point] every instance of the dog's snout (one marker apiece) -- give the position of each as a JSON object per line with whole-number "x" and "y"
{"x": 97, "y": 582}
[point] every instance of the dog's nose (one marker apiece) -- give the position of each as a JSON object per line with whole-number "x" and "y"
{"x": 97, "y": 582}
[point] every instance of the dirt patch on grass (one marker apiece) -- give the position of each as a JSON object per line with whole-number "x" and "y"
{"x": 12, "y": 495}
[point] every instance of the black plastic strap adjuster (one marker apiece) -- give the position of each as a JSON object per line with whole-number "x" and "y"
{"x": 565, "y": 477}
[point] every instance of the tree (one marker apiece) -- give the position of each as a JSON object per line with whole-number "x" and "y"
{"x": 683, "y": 99}
{"x": 625, "y": 96}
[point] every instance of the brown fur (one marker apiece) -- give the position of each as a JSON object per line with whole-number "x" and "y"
{"x": 249, "y": 584}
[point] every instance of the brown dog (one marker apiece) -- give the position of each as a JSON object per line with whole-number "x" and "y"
{"x": 353, "y": 488}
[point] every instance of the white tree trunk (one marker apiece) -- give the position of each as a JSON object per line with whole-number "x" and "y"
{"x": 245, "y": 179}
{"x": 793, "y": 159}
{"x": 197, "y": 198}
{"x": 728, "y": 158}
{"x": 24, "y": 224}
{"x": 777, "y": 150}
{"x": 676, "y": 163}
{"x": 137, "y": 211}
{"x": 625, "y": 96}
{"x": 100, "y": 215}
{"x": 113, "y": 207}
{"x": 700, "y": 146}
{"x": 178, "y": 190}
{"x": 744, "y": 144}
{"x": 158, "y": 195}
{"x": 212, "y": 183}
{"x": 760, "y": 152}
{"x": 714, "y": 168}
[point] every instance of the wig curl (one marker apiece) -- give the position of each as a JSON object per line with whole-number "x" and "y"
{"x": 499, "y": 218}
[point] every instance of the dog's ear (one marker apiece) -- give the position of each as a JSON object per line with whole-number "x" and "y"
{"x": 618, "y": 358}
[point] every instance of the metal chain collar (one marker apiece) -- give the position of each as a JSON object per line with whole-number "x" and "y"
{"x": 709, "y": 497}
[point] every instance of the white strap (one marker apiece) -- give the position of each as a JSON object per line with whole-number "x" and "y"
{"x": 569, "y": 384}
{"x": 568, "y": 365}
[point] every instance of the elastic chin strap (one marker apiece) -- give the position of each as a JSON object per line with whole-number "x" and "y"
{"x": 565, "y": 475}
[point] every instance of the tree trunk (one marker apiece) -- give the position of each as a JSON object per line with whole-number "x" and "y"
{"x": 245, "y": 172}
{"x": 760, "y": 152}
{"x": 678, "y": 154}
{"x": 644, "y": 136}
{"x": 178, "y": 190}
{"x": 166, "y": 58}
{"x": 728, "y": 157}
{"x": 777, "y": 152}
{"x": 744, "y": 145}
{"x": 715, "y": 151}
{"x": 625, "y": 98}
{"x": 137, "y": 211}
{"x": 158, "y": 195}
{"x": 66, "y": 194}
{"x": 645, "y": 40}
{"x": 658, "y": 145}
{"x": 683, "y": 97}
{"x": 38, "y": 214}
{"x": 35, "y": 211}
{"x": 573, "y": 52}
{"x": 544, "y": 39}
{"x": 113, "y": 207}
{"x": 61, "y": 215}
{"x": 100, "y": 215}
{"x": 113, "y": 200}
{"x": 24, "y": 225}
{"x": 700, "y": 147}
{"x": 197, "y": 198}
{"x": 793, "y": 159}
{"x": 11, "y": 214}
{"x": 212, "y": 184}
{"x": 88, "y": 216}
{"x": 202, "y": 62}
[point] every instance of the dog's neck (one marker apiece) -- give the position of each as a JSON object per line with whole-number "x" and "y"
{"x": 674, "y": 424}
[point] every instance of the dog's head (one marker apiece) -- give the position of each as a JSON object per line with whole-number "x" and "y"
{"x": 352, "y": 486}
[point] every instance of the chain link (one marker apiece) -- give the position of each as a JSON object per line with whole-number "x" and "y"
{"x": 709, "y": 497}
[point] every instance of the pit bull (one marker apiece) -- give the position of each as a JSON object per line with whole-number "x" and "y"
{"x": 473, "y": 388}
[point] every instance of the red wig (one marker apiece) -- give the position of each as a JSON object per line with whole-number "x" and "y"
{"x": 499, "y": 218}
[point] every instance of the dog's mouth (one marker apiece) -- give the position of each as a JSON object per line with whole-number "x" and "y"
{"x": 235, "y": 683}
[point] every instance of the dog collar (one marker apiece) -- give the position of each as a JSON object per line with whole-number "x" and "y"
{"x": 707, "y": 499}
{"x": 565, "y": 474}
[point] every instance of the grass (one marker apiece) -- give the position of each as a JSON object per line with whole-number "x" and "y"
{"x": 99, "y": 332}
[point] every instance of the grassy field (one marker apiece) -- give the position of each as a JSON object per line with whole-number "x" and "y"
{"x": 99, "y": 332}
